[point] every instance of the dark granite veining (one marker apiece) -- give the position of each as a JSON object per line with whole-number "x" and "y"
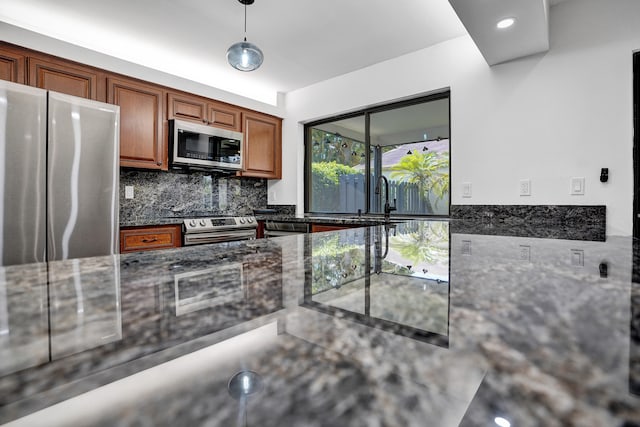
{"x": 545, "y": 221}
{"x": 585, "y": 231}
{"x": 531, "y": 214}
{"x": 136, "y": 221}
{"x": 283, "y": 210}
{"x": 406, "y": 324}
{"x": 336, "y": 220}
{"x": 161, "y": 196}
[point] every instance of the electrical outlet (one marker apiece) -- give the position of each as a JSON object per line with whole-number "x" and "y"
{"x": 466, "y": 189}
{"x": 525, "y": 253}
{"x": 128, "y": 191}
{"x": 525, "y": 187}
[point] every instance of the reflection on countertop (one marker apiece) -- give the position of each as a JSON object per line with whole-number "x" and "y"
{"x": 393, "y": 276}
{"x": 383, "y": 325}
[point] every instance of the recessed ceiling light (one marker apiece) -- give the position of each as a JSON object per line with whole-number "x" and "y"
{"x": 505, "y": 23}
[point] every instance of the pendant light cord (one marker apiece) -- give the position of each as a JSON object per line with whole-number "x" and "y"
{"x": 245, "y": 22}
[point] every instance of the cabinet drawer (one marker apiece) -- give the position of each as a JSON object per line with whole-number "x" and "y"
{"x": 149, "y": 238}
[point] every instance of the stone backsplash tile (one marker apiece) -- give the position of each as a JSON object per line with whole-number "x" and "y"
{"x": 570, "y": 222}
{"x": 531, "y": 214}
{"x": 178, "y": 195}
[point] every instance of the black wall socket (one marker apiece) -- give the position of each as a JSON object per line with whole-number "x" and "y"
{"x": 604, "y": 174}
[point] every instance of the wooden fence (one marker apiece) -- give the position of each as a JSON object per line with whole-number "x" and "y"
{"x": 408, "y": 198}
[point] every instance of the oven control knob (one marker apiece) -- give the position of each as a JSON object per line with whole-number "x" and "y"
{"x": 249, "y": 220}
{"x": 202, "y": 223}
{"x": 192, "y": 223}
{"x": 241, "y": 220}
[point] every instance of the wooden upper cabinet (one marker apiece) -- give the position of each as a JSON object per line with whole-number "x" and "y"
{"x": 202, "y": 110}
{"x": 64, "y": 77}
{"x": 223, "y": 116}
{"x": 12, "y": 65}
{"x": 262, "y": 146}
{"x": 142, "y": 137}
{"x": 185, "y": 107}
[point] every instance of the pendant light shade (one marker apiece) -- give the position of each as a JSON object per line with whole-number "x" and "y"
{"x": 245, "y": 56}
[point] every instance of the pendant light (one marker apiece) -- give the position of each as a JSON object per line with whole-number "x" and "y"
{"x": 245, "y": 56}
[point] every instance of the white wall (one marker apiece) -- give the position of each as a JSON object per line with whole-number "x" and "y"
{"x": 547, "y": 117}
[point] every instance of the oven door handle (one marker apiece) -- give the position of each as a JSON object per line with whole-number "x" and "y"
{"x": 202, "y": 238}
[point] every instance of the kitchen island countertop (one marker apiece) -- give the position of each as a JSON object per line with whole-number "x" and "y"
{"x": 383, "y": 325}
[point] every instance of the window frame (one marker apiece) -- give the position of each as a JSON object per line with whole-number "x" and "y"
{"x": 435, "y": 96}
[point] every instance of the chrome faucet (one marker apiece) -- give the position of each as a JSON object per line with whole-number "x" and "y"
{"x": 387, "y": 207}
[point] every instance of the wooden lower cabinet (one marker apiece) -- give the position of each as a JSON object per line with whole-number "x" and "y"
{"x": 143, "y": 141}
{"x": 146, "y": 238}
{"x": 316, "y": 228}
{"x": 262, "y": 154}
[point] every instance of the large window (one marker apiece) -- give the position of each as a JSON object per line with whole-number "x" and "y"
{"x": 407, "y": 143}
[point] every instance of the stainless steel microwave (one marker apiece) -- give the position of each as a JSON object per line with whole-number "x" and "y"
{"x": 204, "y": 147}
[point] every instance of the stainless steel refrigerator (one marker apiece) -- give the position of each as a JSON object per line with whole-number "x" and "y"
{"x": 59, "y": 176}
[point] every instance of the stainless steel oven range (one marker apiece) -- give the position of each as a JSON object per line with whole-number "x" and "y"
{"x": 198, "y": 231}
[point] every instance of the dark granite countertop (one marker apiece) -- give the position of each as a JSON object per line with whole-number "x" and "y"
{"x": 151, "y": 222}
{"x": 346, "y": 220}
{"x": 334, "y": 219}
{"x": 409, "y": 324}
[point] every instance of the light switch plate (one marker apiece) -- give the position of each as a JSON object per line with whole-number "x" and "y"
{"x": 466, "y": 189}
{"x": 577, "y": 257}
{"x": 466, "y": 247}
{"x": 525, "y": 187}
{"x": 577, "y": 186}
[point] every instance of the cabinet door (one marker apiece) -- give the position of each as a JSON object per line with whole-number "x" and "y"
{"x": 142, "y": 141}
{"x": 12, "y": 66}
{"x": 186, "y": 108}
{"x": 223, "y": 116}
{"x": 262, "y": 146}
{"x": 64, "y": 78}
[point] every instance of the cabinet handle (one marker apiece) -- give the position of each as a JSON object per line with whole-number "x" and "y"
{"x": 150, "y": 240}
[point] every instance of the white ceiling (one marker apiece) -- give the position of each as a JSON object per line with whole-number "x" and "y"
{"x": 304, "y": 41}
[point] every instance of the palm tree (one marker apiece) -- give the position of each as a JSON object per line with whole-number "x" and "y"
{"x": 429, "y": 170}
{"x": 428, "y": 243}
